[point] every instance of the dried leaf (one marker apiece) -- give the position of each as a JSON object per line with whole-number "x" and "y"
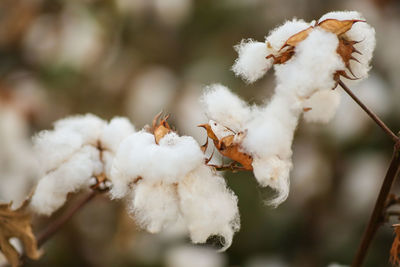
{"x": 16, "y": 223}
{"x": 229, "y": 146}
{"x": 395, "y": 250}
{"x": 294, "y": 40}
{"x": 338, "y": 27}
{"x": 162, "y": 128}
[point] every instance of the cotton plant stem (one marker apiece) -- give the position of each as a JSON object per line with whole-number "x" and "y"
{"x": 378, "y": 214}
{"x": 373, "y": 116}
{"x": 56, "y": 225}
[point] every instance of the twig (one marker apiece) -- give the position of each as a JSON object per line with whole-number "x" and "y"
{"x": 373, "y": 116}
{"x": 377, "y": 217}
{"x": 60, "y": 221}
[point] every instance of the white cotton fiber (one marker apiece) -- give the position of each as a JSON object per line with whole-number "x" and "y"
{"x": 251, "y": 63}
{"x": 140, "y": 156}
{"x": 52, "y": 148}
{"x": 271, "y": 130}
{"x": 73, "y": 175}
{"x": 360, "y": 32}
{"x": 273, "y": 172}
{"x": 114, "y": 132}
{"x": 278, "y": 36}
{"x": 88, "y": 126}
{"x": 208, "y": 206}
{"x": 78, "y": 148}
{"x": 342, "y": 15}
{"x": 223, "y": 106}
{"x": 154, "y": 206}
{"x": 313, "y": 66}
{"x": 322, "y": 106}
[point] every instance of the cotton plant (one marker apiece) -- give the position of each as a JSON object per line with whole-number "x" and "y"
{"x": 75, "y": 155}
{"x": 165, "y": 180}
{"x": 309, "y": 59}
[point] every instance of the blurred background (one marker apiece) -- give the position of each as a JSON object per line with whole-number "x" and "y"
{"x": 136, "y": 57}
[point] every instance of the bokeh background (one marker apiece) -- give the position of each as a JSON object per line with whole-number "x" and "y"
{"x": 135, "y": 58}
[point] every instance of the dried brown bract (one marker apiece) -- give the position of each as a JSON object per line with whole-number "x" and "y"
{"x": 16, "y": 223}
{"x": 230, "y": 146}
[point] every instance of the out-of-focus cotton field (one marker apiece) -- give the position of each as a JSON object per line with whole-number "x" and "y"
{"x": 135, "y": 58}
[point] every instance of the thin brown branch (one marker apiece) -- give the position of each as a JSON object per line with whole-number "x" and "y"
{"x": 370, "y": 113}
{"x": 378, "y": 214}
{"x": 56, "y": 225}
{"x": 394, "y": 213}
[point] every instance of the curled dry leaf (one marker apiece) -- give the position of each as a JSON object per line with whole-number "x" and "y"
{"x": 338, "y": 27}
{"x": 161, "y": 128}
{"x": 16, "y": 223}
{"x": 395, "y": 250}
{"x": 230, "y": 146}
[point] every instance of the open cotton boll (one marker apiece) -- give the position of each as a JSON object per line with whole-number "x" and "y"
{"x": 271, "y": 130}
{"x": 71, "y": 176}
{"x": 54, "y": 147}
{"x": 208, "y": 206}
{"x": 322, "y": 105}
{"x": 251, "y": 63}
{"x": 360, "y": 32}
{"x": 112, "y": 135}
{"x": 278, "y": 36}
{"x": 114, "y": 132}
{"x": 154, "y": 206}
{"x": 313, "y": 65}
{"x": 88, "y": 126}
{"x": 140, "y": 156}
{"x": 273, "y": 172}
{"x": 223, "y": 106}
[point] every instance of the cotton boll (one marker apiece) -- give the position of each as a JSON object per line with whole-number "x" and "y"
{"x": 71, "y": 176}
{"x": 251, "y": 63}
{"x": 278, "y": 36}
{"x": 172, "y": 12}
{"x": 313, "y": 65}
{"x": 54, "y": 147}
{"x": 226, "y": 108}
{"x": 140, "y": 156}
{"x": 365, "y": 35}
{"x": 360, "y": 32}
{"x": 322, "y": 105}
{"x": 88, "y": 126}
{"x": 271, "y": 130}
{"x": 208, "y": 206}
{"x": 154, "y": 205}
{"x": 114, "y": 132}
{"x": 150, "y": 92}
{"x": 183, "y": 256}
{"x": 273, "y": 172}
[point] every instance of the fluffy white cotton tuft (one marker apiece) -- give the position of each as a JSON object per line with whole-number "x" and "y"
{"x": 208, "y": 206}
{"x": 88, "y": 126}
{"x": 278, "y": 36}
{"x": 273, "y": 172}
{"x": 73, "y": 175}
{"x": 251, "y": 63}
{"x": 313, "y": 65}
{"x": 79, "y": 148}
{"x": 221, "y": 105}
{"x": 362, "y": 33}
{"x": 322, "y": 106}
{"x": 140, "y": 156}
{"x": 154, "y": 206}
